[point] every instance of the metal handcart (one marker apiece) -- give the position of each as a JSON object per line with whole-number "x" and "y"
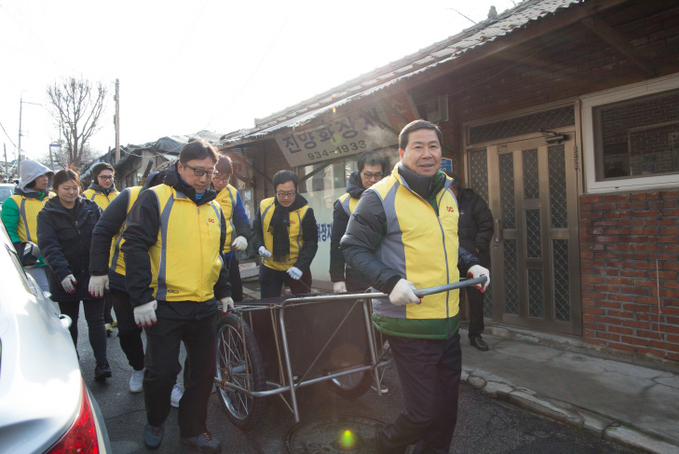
{"x": 277, "y": 345}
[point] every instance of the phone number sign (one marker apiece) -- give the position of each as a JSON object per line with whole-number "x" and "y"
{"x": 348, "y": 135}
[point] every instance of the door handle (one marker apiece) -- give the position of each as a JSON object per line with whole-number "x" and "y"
{"x": 498, "y": 231}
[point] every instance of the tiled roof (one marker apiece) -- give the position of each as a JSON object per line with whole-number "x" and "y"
{"x": 419, "y": 62}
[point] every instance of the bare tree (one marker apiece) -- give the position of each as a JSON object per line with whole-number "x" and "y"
{"x": 77, "y": 106}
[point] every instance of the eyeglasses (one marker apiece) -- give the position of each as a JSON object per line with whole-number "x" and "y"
{"x": 106, "y": 177}
{"x": 370, "y": 176}
{"x": 220, "y": 178}
{"x": 286, "y": 195}
{"x": 200, "y": 172}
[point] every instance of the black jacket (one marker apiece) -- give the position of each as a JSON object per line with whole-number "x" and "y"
{"x": 141, "y": 232}
{"x": 108, "y": 226}
{"x": 475, "y": 227}
{"x": 64, "y": 240}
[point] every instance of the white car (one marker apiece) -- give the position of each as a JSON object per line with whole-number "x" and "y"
{"x": 6, "y": 191}
{"x": 45, "y": 405}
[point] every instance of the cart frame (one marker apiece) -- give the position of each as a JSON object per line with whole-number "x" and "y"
{"x": 293, "y": 384}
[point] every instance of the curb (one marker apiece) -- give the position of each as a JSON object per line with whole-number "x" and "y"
{"x": 571, "y": 415}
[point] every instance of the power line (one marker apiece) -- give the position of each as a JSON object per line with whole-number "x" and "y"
{"x": 10, "y": 139}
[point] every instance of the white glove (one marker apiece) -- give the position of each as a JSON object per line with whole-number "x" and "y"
{"x": 339, "y": 287}
{"x": 263, "y": 252}
{"x": 294, "y": 273}
{"x": 227, "y": 305}
{"x": 402, "y": 293}
{"x": 97, "y": 285}
{"x": 67, "y": 283}
{"x": 240, "y": 244}
{"x": 145, "y": 315}
{"x": 478, "y": 271}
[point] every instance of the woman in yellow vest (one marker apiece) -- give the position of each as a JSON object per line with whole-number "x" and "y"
{"x": 20, "y": 212}
{"x": 285, "y": 233}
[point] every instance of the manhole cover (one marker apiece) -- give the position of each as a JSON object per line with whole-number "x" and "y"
{"x": 325, "y": 436}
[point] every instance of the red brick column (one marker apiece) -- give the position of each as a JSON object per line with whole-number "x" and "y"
{"x": 627, "y": 304}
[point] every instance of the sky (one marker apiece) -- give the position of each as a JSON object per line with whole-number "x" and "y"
{"x": 186, "y": 66}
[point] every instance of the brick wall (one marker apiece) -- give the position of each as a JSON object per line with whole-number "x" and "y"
{"x": 621, "y": 238}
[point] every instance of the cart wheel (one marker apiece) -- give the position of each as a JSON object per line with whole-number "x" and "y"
{"x": 352, "y": 385}
{"x": 241, "y": 368}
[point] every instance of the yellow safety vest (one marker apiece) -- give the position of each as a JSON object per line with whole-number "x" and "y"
{"x": 100, "y": 198}
{"x": 421, "y": 246}
{"x": 266, "y": 209}
{"x": 227, "y": 199}
{"x": 29, "y": 207}
{"x": 186, "y": 260}
{"x": 348, "y": 203}
{"x": 117, "y": 264}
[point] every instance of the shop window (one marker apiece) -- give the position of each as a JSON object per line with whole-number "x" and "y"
{"x": 632, "y": 137}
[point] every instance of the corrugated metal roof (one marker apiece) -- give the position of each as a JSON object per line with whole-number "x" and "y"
{"x": 419, "y": 62}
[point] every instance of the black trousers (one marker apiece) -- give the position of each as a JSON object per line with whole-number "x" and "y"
{"x": 234, "y": 278}
{"x": 108, "y": 318}
{"x": 271, "y": 282}
{"x": 94, "y": 314}
{"x": 429, "y": 371}
{"x": 128, "y": 331}
{"x": 162, "y": 367}
{"x": 475, "y": 298}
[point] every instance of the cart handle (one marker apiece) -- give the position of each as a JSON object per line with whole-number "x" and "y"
{"x": 420, "y": 292}
{"x": 448, "y": 287}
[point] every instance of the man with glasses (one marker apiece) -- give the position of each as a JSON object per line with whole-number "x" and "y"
{"x": 284, "y": 233}
{"x": 177, "y": 283}
{"x": 371, "y": 168}
{"x": 237, "y": 223}
{"x": 102, "y": 191}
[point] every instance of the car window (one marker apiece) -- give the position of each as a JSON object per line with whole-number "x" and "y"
{"x": 5, "y": 193}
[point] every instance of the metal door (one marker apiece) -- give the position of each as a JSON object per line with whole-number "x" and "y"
{"x": 531, "y": 187}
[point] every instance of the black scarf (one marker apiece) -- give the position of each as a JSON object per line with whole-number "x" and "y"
{"x": 279, "y": 227}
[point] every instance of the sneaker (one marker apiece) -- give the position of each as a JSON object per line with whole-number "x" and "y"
{"x": 109, "y": 329}
{"x": 136, "y": 381}
{"x": 204, "y": 442}
{"x": 176, "y": 395}
{"x": 153, "y": 436}
{"x": 102, "y": 371}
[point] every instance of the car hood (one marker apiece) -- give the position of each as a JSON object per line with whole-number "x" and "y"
{"x": 40, "y": 379}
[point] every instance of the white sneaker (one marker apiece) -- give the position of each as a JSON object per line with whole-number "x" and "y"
{"x": 176, "y": 396}
{"x": 136, "y": 381}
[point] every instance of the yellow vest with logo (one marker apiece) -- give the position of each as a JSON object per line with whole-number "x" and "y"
{"x": 266, "y": 209}
{"x": 227, "y": 199}
{"x": 28, "y": 208}
{"x": 117, "y": 264}
{"x": 420, "y": 245}
{"x": 186, "y": 260}
{"x": 100, "y": 198}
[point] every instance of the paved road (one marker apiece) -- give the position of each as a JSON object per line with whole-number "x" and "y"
{"x": 486, "y": 426}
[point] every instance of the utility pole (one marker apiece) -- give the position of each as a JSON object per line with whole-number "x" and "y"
{"x": 52, "y": 159}
{"x": 116, "y": 121}
{"x": 21, "y": 106}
